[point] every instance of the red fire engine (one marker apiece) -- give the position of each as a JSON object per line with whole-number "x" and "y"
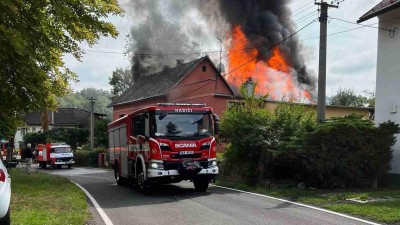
{"x": 166, "y": 143}
{"x": 55, "y": 155}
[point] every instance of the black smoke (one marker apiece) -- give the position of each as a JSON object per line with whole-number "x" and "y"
{"x": 162, "y": 27}
{"x": 265, "y": 24}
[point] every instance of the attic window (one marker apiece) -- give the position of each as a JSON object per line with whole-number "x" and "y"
{"x": 204, "y": 68}
{"x": 121, "y": 115}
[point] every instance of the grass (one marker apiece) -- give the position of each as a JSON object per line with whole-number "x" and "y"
{"x": 335, "y": 200}
{"x": 39, "y": 198}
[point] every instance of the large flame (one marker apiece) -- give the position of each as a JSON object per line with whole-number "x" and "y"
{"x": 273, "y": 76}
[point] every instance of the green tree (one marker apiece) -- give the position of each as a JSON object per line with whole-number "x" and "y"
{"x": 79, "y": 99}
{"x": 120, "y": 80}
{"x": 348, "y": 97}
{"x": 34, "y": 36}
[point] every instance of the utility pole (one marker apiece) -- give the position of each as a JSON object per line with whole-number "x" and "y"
{"x": 92, "y": 101}
{"x": 323, "y": 19}
{"x": 220, "y": 60}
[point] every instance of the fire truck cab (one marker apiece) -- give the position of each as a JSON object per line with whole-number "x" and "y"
{"x": 55, "y": 155}
{"x": 166, "y": 143}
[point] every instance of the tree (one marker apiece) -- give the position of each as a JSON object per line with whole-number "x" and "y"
{"x": 79, "y": 99}
{"x": 348, "y": 97}
{"x": 120, "y": 81}
{"x": 34, "y": 36}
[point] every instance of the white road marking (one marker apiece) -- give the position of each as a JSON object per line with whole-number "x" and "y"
{"x": 299, "y": 204}
{"x": 103, "y": 215}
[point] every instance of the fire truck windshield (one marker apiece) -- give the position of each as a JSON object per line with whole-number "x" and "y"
{"x": 61, "y": 150}
{"x": 183, "y": 125}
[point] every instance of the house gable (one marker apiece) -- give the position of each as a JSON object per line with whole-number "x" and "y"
{"x": 203, "y": 80}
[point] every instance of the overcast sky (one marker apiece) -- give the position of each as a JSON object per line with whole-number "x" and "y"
{"x": 351, "y": 55}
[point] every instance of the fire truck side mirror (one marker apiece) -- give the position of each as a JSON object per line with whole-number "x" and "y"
{"x": 216, "y": 124}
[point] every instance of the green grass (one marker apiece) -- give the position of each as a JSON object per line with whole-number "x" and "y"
{"x": 39, "y": 198}
{"x": 383, "y": 212}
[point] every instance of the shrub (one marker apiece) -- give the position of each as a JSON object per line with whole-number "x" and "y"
{"x": 347, "y": 152}
{"x": 87, "y": 158}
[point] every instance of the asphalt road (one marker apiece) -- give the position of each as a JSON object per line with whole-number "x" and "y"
{"x": 180, "y": 204}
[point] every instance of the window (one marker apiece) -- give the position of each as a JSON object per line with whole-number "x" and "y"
{"x": 141, "y": 125}
{"x": 121, "y": 115}
{"x": 204, "y": 68}
{"x": 33, "y": 129}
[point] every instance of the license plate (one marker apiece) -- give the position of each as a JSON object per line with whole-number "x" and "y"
{"x": 185, "y": 152}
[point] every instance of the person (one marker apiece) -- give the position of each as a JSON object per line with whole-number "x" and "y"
{"x": 28, "y": 158}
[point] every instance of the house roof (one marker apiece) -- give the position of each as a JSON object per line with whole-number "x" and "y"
{"x": 63, "y": 116}
{"x": 382, "y": 7}
{"x": 157, "y": 84}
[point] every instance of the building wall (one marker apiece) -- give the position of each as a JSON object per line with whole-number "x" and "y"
{"x": 387, "y": 100}
{"x": 201, "y": 86}
{"x": 331, "y": 111}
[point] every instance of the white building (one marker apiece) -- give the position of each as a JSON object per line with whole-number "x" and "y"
{"x": 62, "y": 118}
{"x": 387, "y": 101}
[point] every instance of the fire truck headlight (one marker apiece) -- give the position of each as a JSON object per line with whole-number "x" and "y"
{"x": 212, "y": 163}
{"x": 155, "y": 165}
{"x": 205, "y": 145}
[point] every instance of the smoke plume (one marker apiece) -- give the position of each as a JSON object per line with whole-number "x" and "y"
{"x": 176, "y": 26}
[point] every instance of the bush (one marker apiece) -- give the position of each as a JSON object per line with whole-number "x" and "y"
{"x": 347, "y": 152}
{"x": 87, "y": 158}
{"x": 72, "y": 136}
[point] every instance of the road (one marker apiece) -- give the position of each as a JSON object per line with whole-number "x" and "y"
{"x": 180, "y": 204}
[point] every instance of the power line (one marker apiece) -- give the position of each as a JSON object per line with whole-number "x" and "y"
{"x": 303, "y": 6}
{"x": 356, "y": 28}
{"x": 270, "y": 48}
{"x": 360, "y": 24}
{"x": 230, "y": 53}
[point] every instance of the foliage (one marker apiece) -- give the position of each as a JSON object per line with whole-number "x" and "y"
{"x": 85, "y": 157}
{"x": 72, "y": 136}
{"x": 347, "y": 152}
{"x": 348, "y": 97}
{"x": 247, "y": 127}
{"x": 38, "y": 198}
{"x": 79, "y": 99}
{"x": 34, "y": 36}
{"x": 101, "y": 132}
{"x": 120, "y": 80}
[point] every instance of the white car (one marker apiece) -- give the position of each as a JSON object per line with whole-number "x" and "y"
{"x": 5, "y": 195}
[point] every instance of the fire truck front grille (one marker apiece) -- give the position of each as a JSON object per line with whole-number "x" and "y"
{"x": 177, "y": 165}
{"x": 64, "y": 159}
{"x": 177, "y": 156}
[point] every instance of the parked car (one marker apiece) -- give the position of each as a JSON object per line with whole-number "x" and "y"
{"x": 5, "y": 194}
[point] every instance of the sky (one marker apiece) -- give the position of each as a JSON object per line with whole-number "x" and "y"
{"x": 351, "y": 57}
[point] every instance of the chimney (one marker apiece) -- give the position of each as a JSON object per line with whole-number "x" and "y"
{"x": 179, "y": 61}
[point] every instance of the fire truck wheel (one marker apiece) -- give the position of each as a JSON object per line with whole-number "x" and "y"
{"x": 43, "y": 165}
{"x": 140, "y": 183}
{"x": 201, "y": 184}
{"x": 69, "y": 166}
{"x": 120, "y": 180}
{"x": 53, "y": 166}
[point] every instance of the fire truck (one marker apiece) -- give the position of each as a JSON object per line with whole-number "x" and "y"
{"x": 166, "y": 143}
{"x": 55, "y": 155}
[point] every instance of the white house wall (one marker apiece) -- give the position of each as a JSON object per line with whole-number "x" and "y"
{"x": 387, "y": 105}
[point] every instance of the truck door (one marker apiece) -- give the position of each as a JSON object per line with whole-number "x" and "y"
{"x": 141, "y": 132}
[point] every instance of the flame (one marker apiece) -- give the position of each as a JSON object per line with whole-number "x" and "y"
{"x": 274, "y": 76}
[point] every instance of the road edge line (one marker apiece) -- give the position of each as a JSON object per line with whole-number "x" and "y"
{"x": 103, "y": 215}
{"x": 300, "y": 204}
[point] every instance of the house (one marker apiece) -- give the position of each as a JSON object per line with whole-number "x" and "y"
{"x": 197, "y": 81}
{"x": 387, "y": 101}
{"x": 62, "y": 118}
